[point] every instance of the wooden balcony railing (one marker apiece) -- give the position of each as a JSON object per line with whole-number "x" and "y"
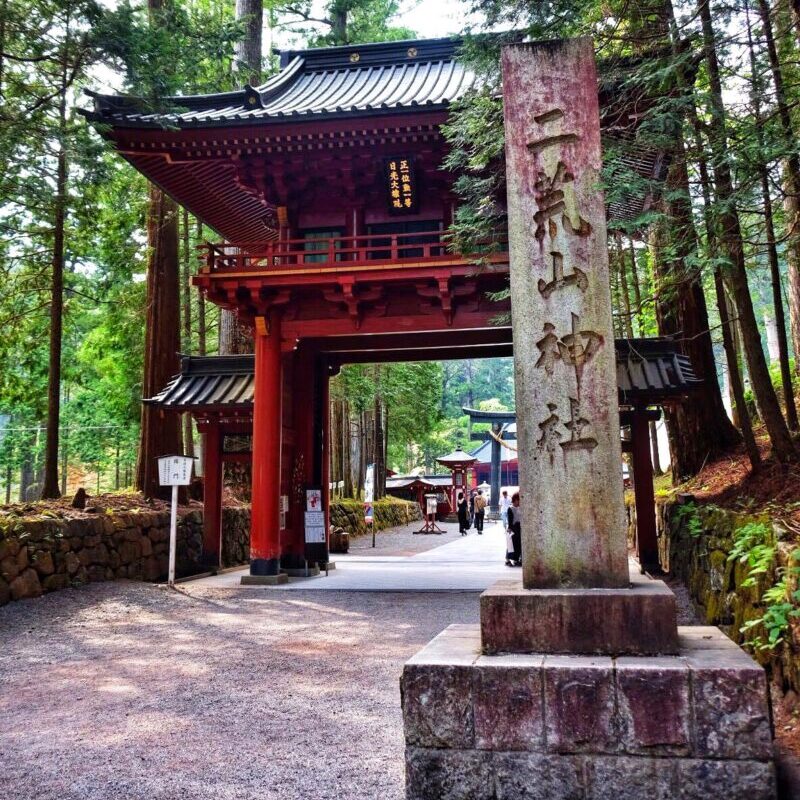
{"x": 418, "y": 249}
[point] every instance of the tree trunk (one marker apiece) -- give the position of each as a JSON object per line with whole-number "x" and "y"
{"x": 380, "y": 438}
{"x": 791, "y": 172}
{"x": 777, "y": 302}
{"x": 347, "y": 451}
{"x": 627, "y": 323}
{"x": 741, "y": 416}
{"x": 701, "y": 429}
{"x": 186, "y": 320}
{"x": 769, "y": 227}
{"x": 248, "y": 49}
{"x": 234, "y": 338}
{"x": 50, "y": 488}
{"x": 160, "y": 432}
{"x": 637, "y": 290}
{"x": 731, "y": 241}
{"x": 655, "y": 455}
{"x": 201, "y": 306}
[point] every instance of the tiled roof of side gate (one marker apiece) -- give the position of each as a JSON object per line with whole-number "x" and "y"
{"x": 343, "y": 81}
{"x": 649, "y": 371}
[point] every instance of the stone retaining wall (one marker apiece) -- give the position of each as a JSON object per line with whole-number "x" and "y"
{"x": 47, "y": 553}
{"x": 695, "y": 545}
{"x": 389, "y": 511}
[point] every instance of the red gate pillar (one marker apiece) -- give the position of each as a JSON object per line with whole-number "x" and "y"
{"x": 326, "y": 455}
{"x": 212, "y": 495}
{"x": 646, "y": 536}
{"x": 267, "y": 423}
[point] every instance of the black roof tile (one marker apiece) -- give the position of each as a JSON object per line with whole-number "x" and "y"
{"x": 649, "y": 371}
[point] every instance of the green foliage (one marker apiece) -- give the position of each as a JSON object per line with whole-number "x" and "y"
{"x": 753, "y": 546}
{"x": 781, "y": 605}
{"x": 689, "y": 515}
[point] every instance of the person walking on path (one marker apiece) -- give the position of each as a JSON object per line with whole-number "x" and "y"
{"x": 505, "y": 504}
{"x": 514, "y": 535}
{"x": 463, "y": 515}
{"x": 480, "y": 510}
{"x": 471, "y": 508}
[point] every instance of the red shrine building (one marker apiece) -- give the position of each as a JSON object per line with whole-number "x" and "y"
{"x": 326, "y": 189}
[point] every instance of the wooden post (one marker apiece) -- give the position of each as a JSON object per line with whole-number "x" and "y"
{"x": 266, "y": 480}
{"x": 646, "y": 537}
{"x": 212, "y": 496}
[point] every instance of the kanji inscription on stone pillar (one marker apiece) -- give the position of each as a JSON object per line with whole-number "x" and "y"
{"x": 573, "y": 531}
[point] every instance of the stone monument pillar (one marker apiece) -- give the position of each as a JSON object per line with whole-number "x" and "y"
{"x": 570, "y": 457}
{"x": 577, "y": 684}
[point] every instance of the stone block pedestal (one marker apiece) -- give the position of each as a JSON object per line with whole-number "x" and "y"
{"x": 637, "y": 620}
{"x": 265, "y": 580}
{"x": 570, "y": 727}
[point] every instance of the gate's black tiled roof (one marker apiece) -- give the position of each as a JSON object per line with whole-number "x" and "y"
{"x": 388, "y": 77}
{"x": 649, "y": 371}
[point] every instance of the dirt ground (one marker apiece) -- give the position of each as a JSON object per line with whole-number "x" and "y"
{"x": 125, "y": 690}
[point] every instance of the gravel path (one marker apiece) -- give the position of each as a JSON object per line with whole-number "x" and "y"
{"x": 402, "y": 541}
{"x": 125, "y": 690}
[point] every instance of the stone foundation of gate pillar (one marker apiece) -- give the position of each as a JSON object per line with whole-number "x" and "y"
{"x": 578, "y": 682}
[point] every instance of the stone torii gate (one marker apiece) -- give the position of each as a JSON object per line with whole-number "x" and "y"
{"x": 497, "y": 420}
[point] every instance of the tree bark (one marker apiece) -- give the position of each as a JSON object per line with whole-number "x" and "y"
{"x": 160, "y": 432}
{"x": 741, "y": 415}
{"x": 791, "y": 172}
{"x": 731, "y": 242}
{"x": 627, "y": 322}
{"x": 655, "y": 455}
{"x": 50, "y": 488}
{"x": 186, "y": 320}
{"x": 380, "y": 439}
{"x": 201, "y": 306}
{"x": 701, "y": 429}
{"x": 248, "y": 49}
{"x": 637, "y": 290}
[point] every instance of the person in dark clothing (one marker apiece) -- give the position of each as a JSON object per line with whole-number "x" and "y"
{"x": 463, "y": 514}
{"x": 480, "y": 510}
{"x": 514, "y": 536}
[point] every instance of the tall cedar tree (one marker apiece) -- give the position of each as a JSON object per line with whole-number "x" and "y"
{"x": 735, "y": 272}
{"x": 762, "y": 169}
{"x": 161, "y": 433}
{"x": 791, "y": 172}
{"x": 702, "y": 429}
{"x": 234, "y": 337}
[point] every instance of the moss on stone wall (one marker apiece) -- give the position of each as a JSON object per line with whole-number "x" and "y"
{"x": 389, "y": 512}
{"x": 706, "y": 547}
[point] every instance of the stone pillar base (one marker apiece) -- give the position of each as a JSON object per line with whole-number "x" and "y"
{"x": 265, "y": 580}
{"x": 637, "y": 620}
{"x": 301, "y": 572}
{"x": 553, "y": 727}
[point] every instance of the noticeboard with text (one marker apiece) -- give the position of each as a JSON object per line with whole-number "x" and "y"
{"x": 401, "y": 185}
